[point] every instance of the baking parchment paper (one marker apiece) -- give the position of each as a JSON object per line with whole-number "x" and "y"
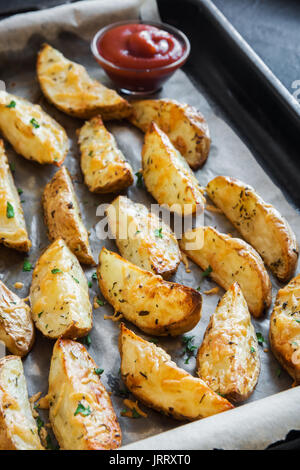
{"x": 70, "y": 28}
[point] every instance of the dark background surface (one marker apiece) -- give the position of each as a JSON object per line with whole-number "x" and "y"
{"x": 271, "y": 27}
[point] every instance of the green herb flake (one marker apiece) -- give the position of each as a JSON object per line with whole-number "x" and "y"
{"x": 158, "y": 232}
{"x": 252, "y": 350}
{"x": 207, "y": 271}
{"x": 12, "y": 104}
{"x": 27, "y": 266}
{"x": 189, "y": 348}
{"x": 87, "y": 340}
{"x": 10, "y": 212}
{"x": 99, "y": 371}
{"x": 139, "y": 181}
{"x": 90, "y": 284}
{"x": 261, "y": 340}
{"x": 94, "y": 276}
{"x": 81, "y": 409}
{"x": 56, "y": 271}
{"x": 40, "y": 314}
{"x": 91, "y": 153}
{"x": 135, "y": 414}
{"x": 20, "y": 191}
{"x": 100, "y": 302}
{"x": 40, "y": 423}
{"x": 34, "y": 123}
{"x": 76, "y": 280}
{"x": 12, "y": 167}
{"x": 278, "y": 372}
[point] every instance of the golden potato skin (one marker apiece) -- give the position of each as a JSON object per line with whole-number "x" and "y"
{"x": 156, "y": 306}
{"x": 68, "y": 86}
{"x": 16, "y": 325}
{"x": 285, "y": 328}
{"x": 149, "y": 373}
{"x": 228, "y": 358}
{"x": 18, "y": 429}
{"x": 73, "y": 381}
{"x": 62, "y": 216}
{"x": 231, "y": 259}
{"x": 142, "y": 238}
{"x": 13, "y": 233}
{"x": 103, "y": 165}
{"x": 184, "y": 125}
{"x": 259, "y": 223}
{"x": 167, "y": 175}
{"x": 33, "y": 133}
{"x": 59, "y": 294}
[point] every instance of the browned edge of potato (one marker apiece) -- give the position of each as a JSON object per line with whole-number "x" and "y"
{"x": 231, "y": 259}
{"x": 63, "y": 218}
{"x": 156, "y": 306}
{"x": 228, "y": 358}
{"x": 259, "y": 223}
{"x": 185, "y": 126}
{"x": 150, "y": 374}
{"x": 81, "y": 411}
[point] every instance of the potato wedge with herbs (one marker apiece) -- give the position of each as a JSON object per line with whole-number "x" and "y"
{"x": 59, "y": 294}
{"x": 68, "y": 86}
{"x": 16, "y": 325}
{"x": 18, "y": 429}
{"x": 81, "y": 412}
{"x": 156, "y": 306}
{"x": 62, "y": 216}
{"x": 33, "y": 133}
{"x": 13, "y": 233}
{"x": 150, "y": 374}
{"x": 230, "y": 259}
{"x": 143, "y": 238}
{"x": 228, "y": 359}
{"x": 103, "y": 165}
{"x": 259, "y": 223}
{"x": 167, "y": 176}
{"x": 285, "y": 328}
{"x": 184, "y": 125}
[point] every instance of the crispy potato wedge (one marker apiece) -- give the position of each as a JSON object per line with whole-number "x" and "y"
{"x": 228, "y": 358}
{"x": 16, "y": 325}
{"x": 62, "y": 216}
{"x": 81, "y": 412}
{"x": 184, "y": 125}
{"x": 167, "y": 176}
{"x": 18, "y": 429}
{"x": 259, "y": 223}
{"x": 103, "y": 165}
{"x": 156, "y": 306}
{"x": 13, "y": 233}
{"x": 150, "y": 374}
{"x": 142, "y": 238}
{"x": 231, "y": 259}
{"x": 33, "y": 133}
{"x": 285, "y": 328}
{"x": 59, "y": 294}
{"x": 68, "y": 86}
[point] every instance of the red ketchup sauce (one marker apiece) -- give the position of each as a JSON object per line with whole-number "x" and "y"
{"x": 140, "y": 56}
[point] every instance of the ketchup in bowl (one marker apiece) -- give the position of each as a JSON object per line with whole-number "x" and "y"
{"x": 139, "y": 57}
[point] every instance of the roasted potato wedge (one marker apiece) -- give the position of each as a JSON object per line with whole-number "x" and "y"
{"x": 285, "y": 328}
{"x": 150, "y": 374}
{"x": 142, "y": 238}
{"x": 68, "y": 86}
{"x": 103, "y": 165}
{"x": 63, "y": 218}
{"x": 156, "y": 306}
{"x": 16, "y": 325}
{"x": 33, "y": 133}
{"x": 259, "y": 223}
{"x": 228, "y": 359}
{"x": 184, "y": 125}
{"x": 18, "y": 429}
{"x": 13, "y": 233}
{"x": 231, "y": 259}
{"x": 167, "y": 176}
{"x": 59, "y": 294}
{"x": 81, "y": 412}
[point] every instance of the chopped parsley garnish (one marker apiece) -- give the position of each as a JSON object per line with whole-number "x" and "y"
{"x": 99, "y": 371}
{"x": 207, "y": 271}
{"x": 139, "y": 181}
{"x": 84, "y": 411}
{"x": 12, "y": 104}
{"x": 100, "y": 302}
{"x": 34, "y": 123}
{"x": 90, "y": 284}
{"x": 10, "y": 212}
{"x": 40, "y": 314}
{"x": 12, "y": 167}
{"x": 189, "y": 348}
{"x": 20, "y": 191}
{"x": 94, "y": 276}
{"x": 27, "y": 266}
{"x": 40, "y": 423}
{"x": 252, "y": 350}
{"x": 135, "y": 414}
{"x": 56, "y": 271}
{"x": 261, "y": 340}
{"x": 278, "y": 372}
{"x": 87, "y": 340}
{"x": 298, "y": 321}
{"x": 76, "y": 280}
{"x": 158, "y": 232}
{"x": 91, "y": 153}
